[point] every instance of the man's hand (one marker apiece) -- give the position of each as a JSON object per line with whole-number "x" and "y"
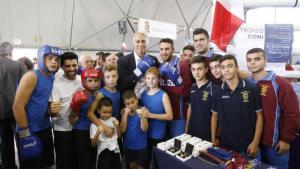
{"x": 252, "y": 149}
{"x": 216, "y": 141}
{"x": 55, "y": 108}
{"x": 282, "y": 147}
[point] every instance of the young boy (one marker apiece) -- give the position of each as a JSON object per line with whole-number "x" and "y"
{"x": 108, "y": 152}
{"x": 237, "y": 109}
{"x": 214, "y": 67}
{"x": 158, "y": 109}
{"x": 280, "y": 110}
{"x": 90, "y": 79}
{"x": 109, "y": 90}
{"x": 199, "y": 118}
{"x": 31, "y": 111}
{"x": 134, "y": 126}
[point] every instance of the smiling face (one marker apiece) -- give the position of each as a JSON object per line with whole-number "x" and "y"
{"x": 166, "y": 51}
{"x": 70, "y": 68}
{"x": 229, "y": 69}
{"x": 152, "y": 80}
{"x": 140, "y": 44}
{"x": 201, "y": 43}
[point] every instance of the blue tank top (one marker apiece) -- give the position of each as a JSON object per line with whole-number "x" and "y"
{"x": 37, "y": 106}
{"x": 135, "y": 138}
{"x": 116, "y": 100}
{"x": 83, "y": 122}
{"x": 157, "y": 128}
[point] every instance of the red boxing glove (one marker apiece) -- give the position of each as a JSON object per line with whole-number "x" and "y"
{"x": 79, "y": 98}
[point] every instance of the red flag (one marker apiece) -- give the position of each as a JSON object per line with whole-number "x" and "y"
{"x": 228, "y": 17}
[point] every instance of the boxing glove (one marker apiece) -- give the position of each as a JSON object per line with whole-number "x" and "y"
{"x": 29, "y": 145}
{"x": 171, "y": 71}
{"x": 78, "y": 99}
{"x": 143, "y": 65}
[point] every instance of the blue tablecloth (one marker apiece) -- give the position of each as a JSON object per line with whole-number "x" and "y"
{"x": 162, "y": 160}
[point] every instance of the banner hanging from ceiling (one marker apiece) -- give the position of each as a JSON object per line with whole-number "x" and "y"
{"x": 157, "y": 29}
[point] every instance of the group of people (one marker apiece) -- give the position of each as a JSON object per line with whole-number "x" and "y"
{"x": 125, "y": 106}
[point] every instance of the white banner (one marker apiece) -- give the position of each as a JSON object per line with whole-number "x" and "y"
{"x": 248, "y": 37}
{"x": 157, "y": 29}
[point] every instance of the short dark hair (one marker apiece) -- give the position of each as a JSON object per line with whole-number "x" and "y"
{"x": 188, "y": 47}
{"x": 128, "y": 94}
{"x": 198, "y": 31}
{"x": 104, "y": 101}
{"x": 199, "y": 59}
{"x": 101, "y": 55}
{"x": 229, "y": 57}
{"x": 257, "y": 50}
{"x": 25, "y": 61}
{"x": 216, "y": 57}
{"x": 68, "y": 56}
{"x": 167, "y": 40}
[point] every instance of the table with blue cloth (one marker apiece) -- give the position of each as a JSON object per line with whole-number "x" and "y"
{"x": 162, "y": 160}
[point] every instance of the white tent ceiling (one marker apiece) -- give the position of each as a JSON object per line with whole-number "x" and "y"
{"x": 93, "y": 24}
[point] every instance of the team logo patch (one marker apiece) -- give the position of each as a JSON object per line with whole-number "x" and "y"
{"x": 264, "y": 90}
{"x": 245, "y": 95}
{"x": 205, "y": 95}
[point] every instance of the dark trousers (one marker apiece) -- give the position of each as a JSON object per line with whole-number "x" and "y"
{"x": 7, "y": 148}
{"x": 47, "y": 157}
{"x": 108, "y": 160}
{"x": 83, "y": 148}
{"x": 151, "y": 143}
{"x": 64, "y": 149}
{"x": 294, "y": 161}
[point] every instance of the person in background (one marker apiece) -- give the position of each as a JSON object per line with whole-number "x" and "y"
{"x": 188, "y": 53}
{"x": 10, "y": 73}
{"x": 26, "y": 62}
{"x": 111, "y": 59}
{"x": 100, "y": 58}
{"x": 86, "y": 62}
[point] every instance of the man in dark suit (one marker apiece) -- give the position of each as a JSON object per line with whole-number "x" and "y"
{"x": 10, "y": 73}
{"x": 132, "y": 67}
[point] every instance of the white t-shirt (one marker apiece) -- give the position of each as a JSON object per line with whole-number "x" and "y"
{"x": 63, "y": 90}
{"x": 104, "y": 142}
